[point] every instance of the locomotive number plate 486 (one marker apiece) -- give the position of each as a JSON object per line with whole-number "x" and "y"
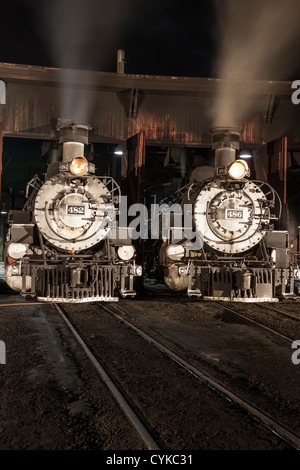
{"x": 75, "y": 210}
{"x": 234, "y": 214}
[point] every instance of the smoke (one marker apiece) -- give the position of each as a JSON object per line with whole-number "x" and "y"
{"x": 257, "y": 40}
{"x": 80, "y": 34}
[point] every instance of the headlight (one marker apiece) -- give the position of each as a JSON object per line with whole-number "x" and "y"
{"x": 175, "y": 252}
{"x": 238, "y": 169}
{"x": 138, "y": 270}
{"x": 126, "y": 252}
{"x": 79, "y": 166}
{"x": 16, "y": 250}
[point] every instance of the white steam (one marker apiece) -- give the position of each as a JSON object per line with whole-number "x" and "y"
{"x": 257, "y": 39}
{"x": 80, "y": 34}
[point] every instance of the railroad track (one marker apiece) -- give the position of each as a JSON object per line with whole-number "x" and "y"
{"x": 113, "y": 386}
{"x": 282, "y": 312}
{"x": 259, "y": 323}
{"x": 259, "y": 416}
{"x": 253, "y": 411}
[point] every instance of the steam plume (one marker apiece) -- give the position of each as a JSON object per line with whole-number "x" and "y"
{"x": 79, "y": 33}
{"x": 257, "y": 40}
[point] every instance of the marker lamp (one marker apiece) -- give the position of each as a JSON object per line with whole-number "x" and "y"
{"x": 16, "y": 250}
{"x": 126, "y": 252}
{"x": 139, "y": 270}
{"x": 175, "y": 252}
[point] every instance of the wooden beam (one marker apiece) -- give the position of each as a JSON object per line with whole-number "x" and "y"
{"x": 105, "y": 80}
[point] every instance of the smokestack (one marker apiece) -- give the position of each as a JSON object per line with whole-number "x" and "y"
{"x": 120, "y": 61}
{"x": 73, "y": 136}
{"x": 225, "y": 142}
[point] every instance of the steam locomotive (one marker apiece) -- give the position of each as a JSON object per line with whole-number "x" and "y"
{"x": 236, "y": 254}
{"x": 66, "y": 244}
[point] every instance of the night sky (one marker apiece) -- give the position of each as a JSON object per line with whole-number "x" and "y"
{"x": 160, "y": 37}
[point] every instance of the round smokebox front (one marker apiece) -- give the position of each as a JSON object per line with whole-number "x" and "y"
{"x": 72, "y": 214}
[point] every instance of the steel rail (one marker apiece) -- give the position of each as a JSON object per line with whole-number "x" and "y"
{"x": 281, "y": 312}
{"x": 108, "y": 380}
{"x": 18, "y": 304}
{"x": 265, "y": 420}
{"x": 261, "y": 325}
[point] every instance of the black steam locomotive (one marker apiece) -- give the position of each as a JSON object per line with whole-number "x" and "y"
{"x": 66, "y": 244}
{"x": 236, "y": 254}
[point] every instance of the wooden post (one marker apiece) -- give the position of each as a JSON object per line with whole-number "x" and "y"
{"x": 271, "y": 165}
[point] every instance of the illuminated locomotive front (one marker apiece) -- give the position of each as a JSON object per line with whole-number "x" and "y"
{"x": 239, "y": 256}
{"x": 66, "y": 245}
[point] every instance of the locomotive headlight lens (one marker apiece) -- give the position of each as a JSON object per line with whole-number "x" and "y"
{"x": 238, "y": 169}
{"x": 175, "y": 252}
{"x": 126, "y": 252}
{"x": 79, "y": 166}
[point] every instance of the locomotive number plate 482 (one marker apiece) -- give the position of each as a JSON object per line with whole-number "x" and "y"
{"x": 75, "y": 210}
{"x": 234, "y": 214}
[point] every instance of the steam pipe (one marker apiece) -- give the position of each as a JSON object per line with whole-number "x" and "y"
{"x": 73, "y": 136}
{"x": 225, "y": 142}
{"x": 120, "y": 61}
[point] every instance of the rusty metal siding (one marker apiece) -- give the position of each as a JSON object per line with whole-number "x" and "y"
{"x": 285, "y": 122}
{"x": 32, "y": 112}
{"x": 252, "y": 132}
{"x": 29, "y": 109}
{"x": 180, "y": 120}
{"x": 186, "y": 120}
{"x": 107, "y": 116}
{"x": 165, "y": 119}
{"x": 170, "y": 110}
